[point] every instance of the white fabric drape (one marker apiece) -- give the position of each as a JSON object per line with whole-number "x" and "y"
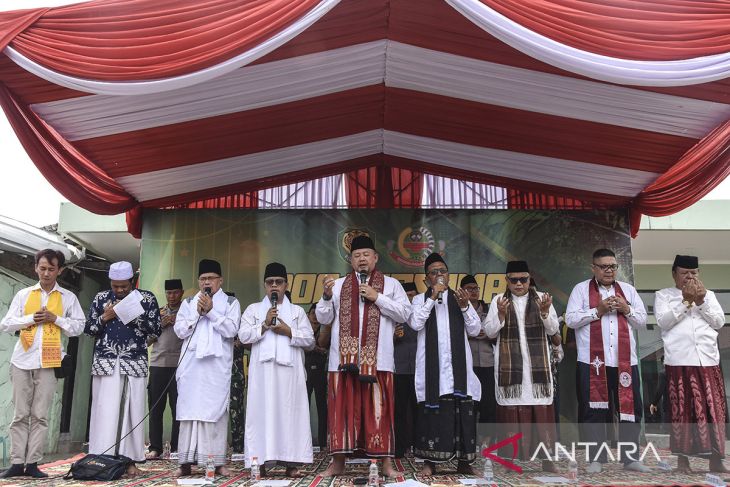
{"x": 247, "y": 88}
{"x": 515, "y": 165}
{"x": 176, "y": 82}
{"x": 186, "y": 179}
{"x": 404, "y": 66}
{"x": 615, "y": 70}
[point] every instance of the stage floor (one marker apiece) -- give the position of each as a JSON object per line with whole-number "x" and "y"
{"x": 158, "y": 474}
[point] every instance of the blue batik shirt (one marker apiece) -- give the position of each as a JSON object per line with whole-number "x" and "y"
{"x": 115, "y": 340}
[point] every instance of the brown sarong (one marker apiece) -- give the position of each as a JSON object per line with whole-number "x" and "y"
{"x": 698, "y": 410}
{"x": 536, "y": 423}
{"x": 360, "y": 414}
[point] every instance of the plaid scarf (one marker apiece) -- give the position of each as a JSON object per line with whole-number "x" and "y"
{"x": 458, "y": 351}
{"x": 510, "y": 355}
{"x": 359, "y": 353}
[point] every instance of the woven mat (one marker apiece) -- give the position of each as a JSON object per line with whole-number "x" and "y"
{"x": 159, "y": 474}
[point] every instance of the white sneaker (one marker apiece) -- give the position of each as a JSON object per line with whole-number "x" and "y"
{"x": 594, "y": 467}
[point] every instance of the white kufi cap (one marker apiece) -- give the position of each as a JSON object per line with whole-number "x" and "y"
{"x": 120, "y": 271}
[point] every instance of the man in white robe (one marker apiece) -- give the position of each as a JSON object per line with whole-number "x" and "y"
{"x": 208, "y": 323}
{"x": 277, "y": 406}
{"x": 446, "y": 385}
{"x": 522, "y": 319}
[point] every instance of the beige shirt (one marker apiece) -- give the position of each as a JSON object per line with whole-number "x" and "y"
{"x": 166, "y": 348}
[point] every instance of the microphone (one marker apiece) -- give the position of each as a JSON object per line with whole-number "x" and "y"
{"x": 363, "y": 280}
{"x": 440, "y": 297}
{"x": 274, "y": 300}
{"x": 208, "y": 291}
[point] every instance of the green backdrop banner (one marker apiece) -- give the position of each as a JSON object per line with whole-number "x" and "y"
{"x": 311, "y": 243}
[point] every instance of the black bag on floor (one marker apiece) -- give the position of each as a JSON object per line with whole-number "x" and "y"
{"x": 104, "y": 467}
{"x": 99, "y": 467}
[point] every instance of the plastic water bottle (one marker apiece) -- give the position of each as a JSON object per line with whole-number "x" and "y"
{"x": 488, "y": 471}
{"x": 210, "y": 468}
{"x": 373, "y": 474}
{"x": 166, "y": 451}
{"x": 572, "y": 473}
{"x": 255, "y": 470}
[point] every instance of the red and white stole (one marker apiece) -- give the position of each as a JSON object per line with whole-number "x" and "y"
{"x": 359, "y": 353}
{"x": 598, "y": 385}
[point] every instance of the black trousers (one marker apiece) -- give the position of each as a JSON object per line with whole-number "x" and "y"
{"x": 404, "y": 391}
{"x": 317, "y": 383}
{"x": 594, "y": 422}
{"x": 487, "y": 406}
{"x": 157, "y": 388}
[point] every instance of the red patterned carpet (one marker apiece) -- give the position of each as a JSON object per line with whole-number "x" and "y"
{"x": 158, "y": 474}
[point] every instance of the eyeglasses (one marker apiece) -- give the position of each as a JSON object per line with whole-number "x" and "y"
{"x": 436, "y": 272}
{"x": 606, "y": 267}
{"x": 208, "y": 278}
{"x": 471, "y": 288}
{"x": 274, "y": 282}
{"x": 515, "y": 280}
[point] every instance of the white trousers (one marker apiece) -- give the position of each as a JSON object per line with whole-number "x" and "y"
{"x": 106, "y": 396}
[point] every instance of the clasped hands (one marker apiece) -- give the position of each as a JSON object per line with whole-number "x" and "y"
{"x": 280, "y": 328}
{"x": 43, "y": 316}
{"x": 613, "y": 303}
{"x": 694, "y": 291}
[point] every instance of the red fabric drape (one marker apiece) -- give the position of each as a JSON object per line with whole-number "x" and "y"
{"x": 629, "y": 29}
{"x": 148, "y": 39}
{"x": 696, "y": 173}
{"x": 72, "y": 174}
{"x": 526, "y": 200}
{"x": 383, "y": 187}
{"x": 13, "y": 23}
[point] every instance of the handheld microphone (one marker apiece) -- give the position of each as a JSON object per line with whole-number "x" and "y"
{"x": 440, "y": 295}
{"x": 208, "y": 291}
{"x": 274, "y": 300}
{"x": 363, "y": 280}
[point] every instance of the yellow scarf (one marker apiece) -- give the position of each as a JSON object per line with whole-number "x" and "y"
{"x": 51, "y": 344}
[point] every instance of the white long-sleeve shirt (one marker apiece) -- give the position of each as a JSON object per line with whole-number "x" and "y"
{"x": 579, "y": 314}
{"x": 689, "y": 334}
{"x": 493, "y": 325}
{"x": 71, "y": 323}
{"x": 421, "y": 310}
{"x": 394, "y": 308}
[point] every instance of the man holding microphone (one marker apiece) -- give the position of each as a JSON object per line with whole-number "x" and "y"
{"x": 363, "y": 307}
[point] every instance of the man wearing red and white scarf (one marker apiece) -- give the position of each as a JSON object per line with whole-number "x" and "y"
{"x": 363, "y": 308}
{"x": 603, "y": 312}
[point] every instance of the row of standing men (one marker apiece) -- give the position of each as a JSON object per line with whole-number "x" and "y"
{"x": 362, "y": 311}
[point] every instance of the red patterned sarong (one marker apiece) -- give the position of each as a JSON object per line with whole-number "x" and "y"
{"x": 360, "y": 414}
{"x": 698, "y": 410}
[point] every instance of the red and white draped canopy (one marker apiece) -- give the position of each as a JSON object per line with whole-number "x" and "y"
{"x": 125, "y": 104}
